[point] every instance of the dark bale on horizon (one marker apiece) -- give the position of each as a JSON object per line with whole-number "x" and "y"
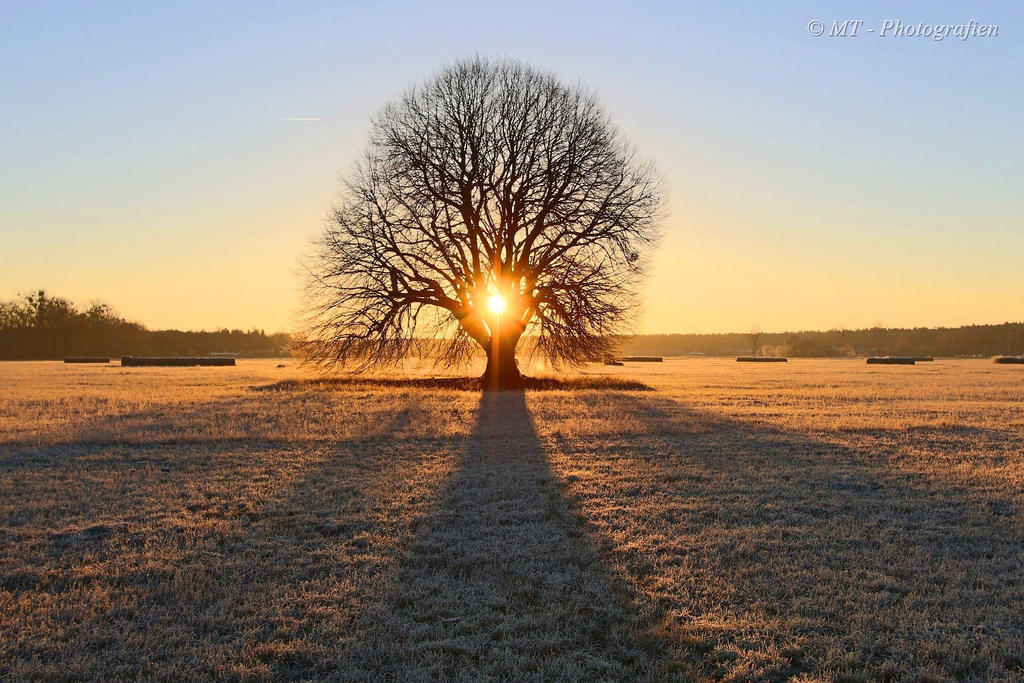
{"x": 174, "y": 361}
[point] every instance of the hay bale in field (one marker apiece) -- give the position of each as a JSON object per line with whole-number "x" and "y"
{"x": 642, "y": 359}
{"x": 892, "y": 360}
{"x": 86, "y": 359}
{"x": 760, "y": 359}
{"x": 612, "y": 361}
{"x": 1010, "y": 360}
{"x": 174, "y": 361}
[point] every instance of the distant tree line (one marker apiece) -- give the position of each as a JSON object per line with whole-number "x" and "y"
{"x": 40, "y": 327}
{"x": 970, "y": 340}
{"x": 43, "y": 327}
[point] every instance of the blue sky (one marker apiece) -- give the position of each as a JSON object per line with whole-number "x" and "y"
{"x": 148, "y": 159}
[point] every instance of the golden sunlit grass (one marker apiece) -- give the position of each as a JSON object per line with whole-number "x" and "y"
{"x": 474, "y": 384}
{"x": 821, "y": 520}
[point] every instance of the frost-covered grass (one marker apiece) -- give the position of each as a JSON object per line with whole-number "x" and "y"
{"x": 815, "y": 520}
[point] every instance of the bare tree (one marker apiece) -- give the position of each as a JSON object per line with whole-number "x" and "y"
{"x": 493, "y": 201}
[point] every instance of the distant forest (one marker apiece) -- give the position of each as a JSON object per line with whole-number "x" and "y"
{"x": 970, "y": 340}
{"x": 43, "y": 327}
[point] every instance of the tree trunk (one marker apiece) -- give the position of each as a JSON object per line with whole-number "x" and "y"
{"x": 502, "y": 370}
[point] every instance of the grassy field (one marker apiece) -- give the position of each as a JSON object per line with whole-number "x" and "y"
{"x": 816, "y": 520}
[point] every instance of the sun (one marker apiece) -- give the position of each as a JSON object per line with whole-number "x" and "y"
{"x": 496, "y": 303}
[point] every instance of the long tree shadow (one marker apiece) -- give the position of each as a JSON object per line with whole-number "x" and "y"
{"x": 772, "y": 553}
{"x": 200, "y": 556}
{"x": 499, "y": 581}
